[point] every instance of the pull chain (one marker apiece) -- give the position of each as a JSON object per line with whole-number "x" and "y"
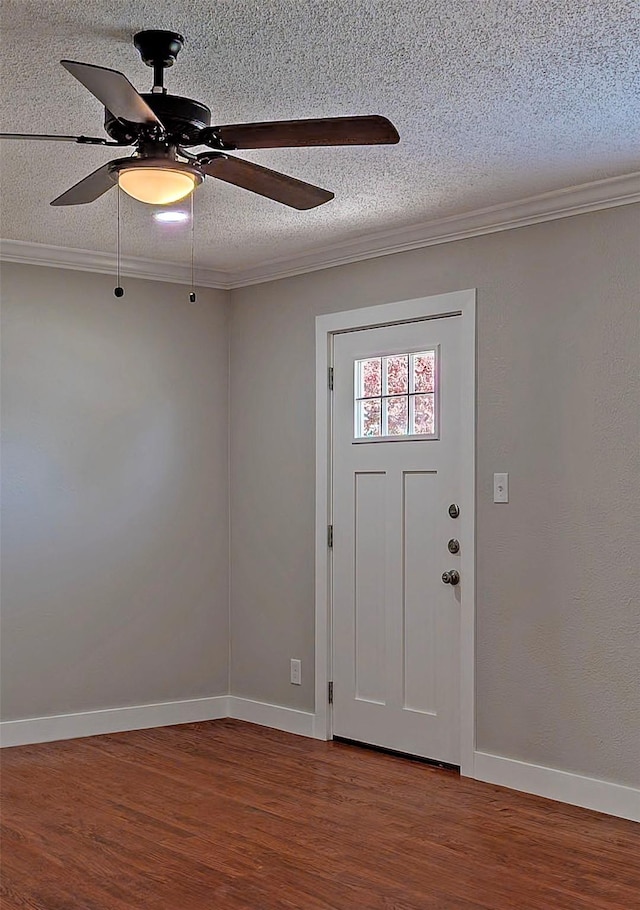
{"x": 192, "y": 294}
{"x": 118, "y": 291}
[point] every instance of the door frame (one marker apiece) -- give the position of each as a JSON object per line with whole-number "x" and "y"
{"x": 463, "y": 305}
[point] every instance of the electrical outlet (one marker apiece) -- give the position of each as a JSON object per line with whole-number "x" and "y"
{"x": 296, "y": 672}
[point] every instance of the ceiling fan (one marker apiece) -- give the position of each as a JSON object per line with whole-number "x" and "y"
{"x": 162, "y": 128}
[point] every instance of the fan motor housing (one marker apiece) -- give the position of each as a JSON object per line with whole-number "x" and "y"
{"x": 183, "y": 118}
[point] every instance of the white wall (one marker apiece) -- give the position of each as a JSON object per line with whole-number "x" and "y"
{"x": 558, "y": 586}
{"x": 115, "y": 493}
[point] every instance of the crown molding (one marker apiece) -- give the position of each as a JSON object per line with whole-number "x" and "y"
{"x": 105, "y": 263}
{"x": 575, "y": 200}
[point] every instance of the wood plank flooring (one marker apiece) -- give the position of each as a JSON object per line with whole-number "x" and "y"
{"x": 229, "y": 816}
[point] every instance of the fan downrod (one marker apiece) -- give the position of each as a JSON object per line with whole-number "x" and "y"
{"x": 158, "y": 49}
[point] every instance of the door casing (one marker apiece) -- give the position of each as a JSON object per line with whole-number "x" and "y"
{"x": 460, "y": 303}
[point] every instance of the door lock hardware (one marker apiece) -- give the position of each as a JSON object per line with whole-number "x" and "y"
{"x": 454, "y": 510}
{"x": 453, "y": 546}
{"x": 451, "y": 578}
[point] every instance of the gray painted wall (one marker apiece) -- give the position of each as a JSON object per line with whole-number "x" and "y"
{"x": 115, "y": 483}
{"x": 558, "y": 588}
{"x": 115, "y": 493}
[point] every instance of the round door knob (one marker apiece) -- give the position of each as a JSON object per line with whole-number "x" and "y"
{"x": 451, "y": 578}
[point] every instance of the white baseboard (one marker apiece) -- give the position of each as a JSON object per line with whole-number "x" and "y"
{"x": 587, "y": 792}
{"x": 141, "y": 717}
{"x": 111, "y": 720}
{"x": 258, "y": 712}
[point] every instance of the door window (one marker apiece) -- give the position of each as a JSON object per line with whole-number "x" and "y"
{"x": 395, "y": 397}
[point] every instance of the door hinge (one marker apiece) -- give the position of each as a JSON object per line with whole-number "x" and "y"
{"x": 331, "y": 693}
{"x": 330, "y": 536}
{"x": 331, "y": 379}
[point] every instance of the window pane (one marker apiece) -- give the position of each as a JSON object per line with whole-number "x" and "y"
{"x": 397, "y": 414}
{"x": 424, "y": 414}
{"x": 424, "y": 366}
{"x": 397, "y": 374}
{"x": 395, "y": 395}
{"x": 370, "y": 378}
{"x": 370, "y": 413}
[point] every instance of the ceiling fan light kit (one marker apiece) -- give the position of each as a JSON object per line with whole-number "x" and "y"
{"x": 156, "y": 181}
{"x": 162, "y": 128}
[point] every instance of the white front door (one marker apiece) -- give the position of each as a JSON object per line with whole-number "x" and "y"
{"x": 396, "y": 472}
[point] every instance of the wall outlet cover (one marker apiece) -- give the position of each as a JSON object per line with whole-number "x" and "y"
{"x": 296, "y": 672}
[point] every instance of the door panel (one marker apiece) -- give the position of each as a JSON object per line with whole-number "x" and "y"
{"x": 419, "y": 534}
{"x": 369, "y": 578}
{"x": 395, "y": 624}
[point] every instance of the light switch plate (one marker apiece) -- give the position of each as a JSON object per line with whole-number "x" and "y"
{"x": 501, "y": 488}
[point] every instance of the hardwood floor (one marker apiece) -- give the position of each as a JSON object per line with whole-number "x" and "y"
{"x": 229, "y": 816}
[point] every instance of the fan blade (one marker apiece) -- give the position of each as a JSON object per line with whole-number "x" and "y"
{"x": 83, "y": 140}
{"x": 114, "y": 90}
{"x": 372, "y": 130}
{"x": 265, "y": 182}
{"x": 90, "y": 188}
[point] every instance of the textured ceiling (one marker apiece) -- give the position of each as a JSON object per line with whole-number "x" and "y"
{"x": 495, "y": 100}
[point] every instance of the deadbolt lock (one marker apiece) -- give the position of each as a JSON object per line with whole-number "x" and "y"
{"x": 451, "y": 578}
{"x": 454, "y": 510}
{"x": 454, "y": 545}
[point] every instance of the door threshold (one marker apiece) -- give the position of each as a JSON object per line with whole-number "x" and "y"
{"x": 432, "y": 762}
